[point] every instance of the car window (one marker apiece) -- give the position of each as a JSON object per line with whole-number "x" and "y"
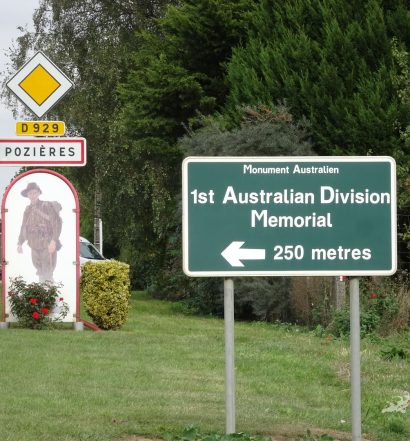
{"x": 87, "y": 251}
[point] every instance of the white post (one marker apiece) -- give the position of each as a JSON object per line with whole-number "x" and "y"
{"x": 78, "y": 326}
{"x": 100, "y": 230}
{"x": 229, "y": 322}
{"x": 355, "y": 359}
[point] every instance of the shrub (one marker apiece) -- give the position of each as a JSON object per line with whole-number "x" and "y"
{"x": 388, "y": 299}
{"x": 36, "y": 305}
{"x": 256, "y": 298}
{"x": 370, "y": 322}
{"x": 262, "y": 298}
{"x": 340, "y": 325}
{"x": 384, "y": 307}
{"x": 393, "y": 353}
{"x": 105, "y": 288}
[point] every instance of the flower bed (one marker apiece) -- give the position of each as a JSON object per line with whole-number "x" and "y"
{"x": 36, "y": 305}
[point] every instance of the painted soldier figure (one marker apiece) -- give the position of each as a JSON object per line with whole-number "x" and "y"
{"x": 41, "y": 227}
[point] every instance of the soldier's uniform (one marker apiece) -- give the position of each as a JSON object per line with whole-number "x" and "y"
{"x": 41, "y": 224}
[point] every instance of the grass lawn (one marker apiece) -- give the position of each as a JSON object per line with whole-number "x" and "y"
{"x": 164, "y": 371}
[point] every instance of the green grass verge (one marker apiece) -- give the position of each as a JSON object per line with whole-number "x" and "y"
{"x": 164, "y": 371}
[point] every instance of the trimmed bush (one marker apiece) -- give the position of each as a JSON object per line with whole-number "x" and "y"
{"x": 105, "y": 288}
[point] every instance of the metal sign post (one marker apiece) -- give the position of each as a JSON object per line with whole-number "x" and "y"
{"x": 229, "y": 322}
{"x": 355, "y": 383}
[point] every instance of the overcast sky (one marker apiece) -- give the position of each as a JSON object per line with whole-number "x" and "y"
{"x": 13, "y": 13}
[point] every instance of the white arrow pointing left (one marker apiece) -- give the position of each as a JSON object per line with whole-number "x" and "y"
{"x": 234, "y": 253}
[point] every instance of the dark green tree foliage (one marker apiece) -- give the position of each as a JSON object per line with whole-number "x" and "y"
{"x": 402, "y": 82}
{"x": 332, "y": 62}
{"x": 262, "y": 132}
{"x": 256, "y": 298}
{"x": 201, "y": 35}
{"x": 156, "y": 99}
{"x": 177, "y": 73}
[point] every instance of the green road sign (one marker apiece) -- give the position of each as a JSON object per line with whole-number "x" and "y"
{"x": 289, "y": 216}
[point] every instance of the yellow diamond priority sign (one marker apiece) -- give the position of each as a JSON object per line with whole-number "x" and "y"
{"x": 39, "y": 84}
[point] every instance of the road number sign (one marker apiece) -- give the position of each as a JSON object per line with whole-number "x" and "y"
{"x": 289, "y": 216}
{"x": 40, "y": 128}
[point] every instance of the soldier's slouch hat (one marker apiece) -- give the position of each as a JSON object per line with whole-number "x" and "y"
{"x": 30, "y": 186}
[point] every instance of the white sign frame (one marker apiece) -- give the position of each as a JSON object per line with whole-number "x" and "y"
{"x": 54, "y": 186}
{"x": 39, "y": 59}
{"x": 319, "y": 160}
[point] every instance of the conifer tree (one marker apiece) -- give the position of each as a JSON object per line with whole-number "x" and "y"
{"x": 177, "y": 74}
{"x": 331, "y": 60}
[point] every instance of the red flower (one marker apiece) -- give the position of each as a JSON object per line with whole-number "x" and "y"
{"x": 61, "y": 299}
{"x": 45, "y": 311}
{"x": 33, "y": 301}
{"x": 373, "y": 295}
{"x": 36, "y": 315}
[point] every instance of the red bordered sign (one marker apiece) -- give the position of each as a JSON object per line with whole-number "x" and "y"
{"x": 43, "y": 151}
